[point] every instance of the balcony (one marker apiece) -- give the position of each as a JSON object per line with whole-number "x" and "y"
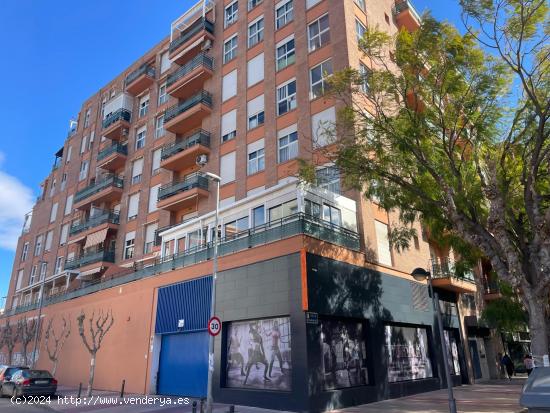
{"x": 117, "y": 124}
{"x": 190, "y": 77}
{"x": 140, "y": 79}
{"x": 181, "y": 154}
{"x": 491, "y": 290}
{"x": 112, "y": 157}
{"x": 88, "y": 258}
{"x": 188, "y": 115}
{"x": 183, "y": 194}
{"x": 447, "y": 276}
{"x": 406, "y": 15}
{"x": 104, "y": 190}
{"x": 190, "y": 40}
{"x": 110, "y": 218}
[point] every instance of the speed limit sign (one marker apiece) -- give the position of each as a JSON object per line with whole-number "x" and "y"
{"x": 214, "y": 326}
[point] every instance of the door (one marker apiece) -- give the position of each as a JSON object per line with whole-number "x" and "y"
{"x": 183, "y": 365}
{"x": 475, "y": 358}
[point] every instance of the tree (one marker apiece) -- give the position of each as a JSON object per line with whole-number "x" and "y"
{"x": 9, "y": 339}
{"x": 505, "y": 314}
{"x": 26, "y": 332}
{"x": 57, "y": 341}
{"x": 434, "y": 132}
{"x": 98, "y": 327}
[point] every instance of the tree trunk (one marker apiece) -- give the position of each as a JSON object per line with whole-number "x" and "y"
{"x": 10, "y": 356}
{"x": 54, "y": 367}
{"x": 538, "y": 328}
{"x": 24, "y": 354}
{"x": 92, "y": 374}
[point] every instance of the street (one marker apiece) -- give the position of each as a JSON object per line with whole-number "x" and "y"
{"x": 6, "y": 406}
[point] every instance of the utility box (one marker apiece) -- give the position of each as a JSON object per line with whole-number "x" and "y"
{"x": 536, "y": 391}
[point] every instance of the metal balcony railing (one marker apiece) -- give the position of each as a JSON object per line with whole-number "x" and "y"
{"x": 90, "y": 258}
{"x": 199, "y": 60}
{"x": 115, "y": 148}
{"x": 145, "y": 69}
{"x": 99, "y": 218}
{"x": 195, "y": 181}
{"x": 120, "y": 114}
{"x": 200, "y": 25}
{"x": 200, "y": 137}
{"x": 98, "y": 186}
{"x": 402, "y": 5}
{"x": 445, "y": 268}
{"x": 174, "y": 111}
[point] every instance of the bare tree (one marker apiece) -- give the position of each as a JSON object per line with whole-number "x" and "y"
{"x": 98, "y": 328}
{"x": 9, "y": 338}
{"x": 26, "y": 331}
{"x": 57, "y": 341}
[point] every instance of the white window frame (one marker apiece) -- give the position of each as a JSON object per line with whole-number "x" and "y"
{"x": 255, "y": 161}
{"x": 257, "y": 118}
{"x": 364, "y": 72}
{"x": 83, "y": 173}
{"x": 163, "y": 96}
{"x": 129, "y": 246}
{"x": 289, "y": 100}
{"x": 53, "y": 212}
{"x": 226, "y": 137}
{"x": 141, "y": 136}
{"x": 230, "y": 53}
{"x": 256, "y": 31}
{"x": 156, "y": 160}
{"x": 25, "y": 251}
{"x": 230, "y": 13}
{"x": 322, "y": 80}
{"x": 58, "y": 265}
{"x": 286, "y": 16}
{"x": 159, "y": 126}
{"x": 253, "y": 3}
{"x": 316, "y": 41}
{"x": 289, "y": 134}
{"x": 359, "y": 27}
{"x": 137, "y": 173}
{"x": 143, "y": 106}
{"x": 287, "y": 56}
{"x": 131, "y": 197}
{"x": 68, "y": 205}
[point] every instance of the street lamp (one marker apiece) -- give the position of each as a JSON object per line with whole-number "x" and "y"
{"x": 420, "y": 274}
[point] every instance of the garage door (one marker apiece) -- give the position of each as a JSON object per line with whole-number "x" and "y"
{"x": 183, "y": 364}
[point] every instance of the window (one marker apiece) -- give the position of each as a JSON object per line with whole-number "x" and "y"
{"x": 143, "y": 106}
{"x": 25, "y": 251}
{"x": 137, "y": 169}
{"x": 253, "y": 3}
{"x": 230, "y": 49}
{"x": 255, "y": 109}
{"x": 322, "y": 127}
{"x": 383, "y": 243}
{"x": 256, "y": 157}
{"x": 159, "y": 127}
{"x": 258, "y": 216}
{"x": 49, "y": 238}
{"x": 58, "y": 265}
{"x": 231, "y": 13}
{"x": 227, "y": 168}
{"x": 33, "y": 276}
{"x": 52, "y": 188}
{"x": 91, "y": 141}
{"x": 229, "y": 85}
{"x": 312, "y": 208}
{"x": 361, "y": 4}
{"x": 229, "y": 125}
{"x": 318, "y": 77}
{"x": 129, "y": 245}
{"x": 63, "y": 182}
{"x": 283, "y": 210}
{"x": 365, "y": 73}
{"x": 234, "y": 227}
{"x": 150, "y": 231}
{"x": 360, "y": 30}
{"x": 53, "y": 212}
{"x": 64, "y": 234}
{"x": 87, "y": 118}
{"x": 288, "y": 145}
{"x": 328, "y": 178}
{"x": 69, "y": 153}
{"x": 133, "y": 205}
{"x": 318, "y": 33}
{"x": 153, "y": 197}
{"x": 283, "y": 14}
{"x": 140, "y": 137}
{"x": 163, "y": 97}
{"x": 311, "y": 3}
{"x": 255, "y": 70}
{"x": 285, "y": 53}
{"x": 38, "y": 245}
{"x": 83, "y": 170}
{"x": 155, "y": 164}
{"x": 69, "y": 205}
{"x": 332, "y": 214}
{"x": 256, "y": 32}
{"x": 83, "y": 144}
{"x": 164, "y": 62}
{"x": 19, "y": 279}
{"x": 43, "y": 269}
{"x": 286, "y": 97}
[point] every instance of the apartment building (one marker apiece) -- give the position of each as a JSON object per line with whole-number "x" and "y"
{"x": 318, "y": 311}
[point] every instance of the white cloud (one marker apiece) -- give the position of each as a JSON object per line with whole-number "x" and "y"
{"x": 16, "y": 200}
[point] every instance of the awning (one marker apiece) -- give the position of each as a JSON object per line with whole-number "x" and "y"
{"x": 96, "y": 238}
{"x": 86, "y": 274}
{"x": 74, "y": 240}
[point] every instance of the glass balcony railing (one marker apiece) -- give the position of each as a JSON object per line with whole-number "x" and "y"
{"x": 402, "y": 5}
{"x": 100, "y": 217}
{"x": 176, "y": 110}
{"x": 115, "y": 148}
{"x": 120, "y": 114}
{"x": 198, "y": 138}
{"x": 176, "y": 187}
{"x": 98, "y": 186}
{"x": 90, "y": 258}
{"x": 445, "y": 268}
{"x": 200, "y": 25}
{"x": 146, "y": 69}
{"x": 199, "y": 60}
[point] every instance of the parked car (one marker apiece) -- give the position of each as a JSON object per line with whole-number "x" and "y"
{"x": 30, "y": 383}
{"x": 6, "y": 372}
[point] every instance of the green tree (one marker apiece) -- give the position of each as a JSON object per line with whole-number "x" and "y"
{"x": 449, "y": 131}
{"x": 506, "y": 314}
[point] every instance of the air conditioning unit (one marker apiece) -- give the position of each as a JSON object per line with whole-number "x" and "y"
{"x": 207, "y": 45}
{"x": 125, "y": 132}
{"x": 202, "y": 160}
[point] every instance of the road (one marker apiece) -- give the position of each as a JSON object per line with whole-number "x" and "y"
{"x": 6, "y": 406}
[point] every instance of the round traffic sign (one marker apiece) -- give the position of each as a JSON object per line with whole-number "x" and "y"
{"x": 214, "y": 326}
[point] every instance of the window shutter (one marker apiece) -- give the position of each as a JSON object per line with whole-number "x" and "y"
{"x": 256, "y": 145}
{"x": 384, "y": 253}
{"x": 49, "y": 238}
{"x": 227, "y": 168}
{"x": 64, "y": 234}
{"x": 133, "y": 204}
{"x": 150, "y": 232}
{"x": 137, "y": 167}
{"x": 229, "y": 85}
{"x": 69, "y": 204}
{"x": 229, "y": 122}
{"x": 156, "y": 159}
{"x": 164, "y": 62}
{"x": 255, "y": 105}
{"x": 53, "y": 214}
{"x": 255, "y": 70}
{"x": 321, "y": 123}
{"x": 130, "y": 235}
{"x": 153, "y": 195}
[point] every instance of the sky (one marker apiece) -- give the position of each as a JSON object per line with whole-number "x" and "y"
{"x": 56, "y": 54}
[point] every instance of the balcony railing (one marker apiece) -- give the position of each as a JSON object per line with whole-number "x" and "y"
{"x": 145, "y": 69}
{"x": 115, "y": 148}
{"x": 195, "y": 181}
{"x": 98, "y": 186}
{"x": 99, "y": 218}
{"x": 448, "y": 269}
{"x": 173, "y": 111}
{"x": 199, "y": 60}
{"x": 198, "y": 138}
{"x": 200, "y": 25}
{"x": 90, "y": 258}
{"x": 402, "y": 5}
{"x": 120, "y": 114}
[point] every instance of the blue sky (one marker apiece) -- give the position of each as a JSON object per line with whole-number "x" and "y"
{"x": 55, "y": 54}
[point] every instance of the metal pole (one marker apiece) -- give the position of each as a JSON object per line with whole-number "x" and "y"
{"x": 435, "y": 302}
{"x": 209, "y": 400}
{"x": 39, "y": 319}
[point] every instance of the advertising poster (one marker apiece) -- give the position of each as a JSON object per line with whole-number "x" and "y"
{"x": 407, "y": 349}
{"x": 452, "y": 347}
{"x": 344, "y": 354}
{"x": 258, "y": 354}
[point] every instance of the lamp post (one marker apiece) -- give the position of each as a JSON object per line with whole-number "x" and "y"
{"x": 420, "y": 274}
{"x": 209, "y": 399}
{"x": 40, "y": 304}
